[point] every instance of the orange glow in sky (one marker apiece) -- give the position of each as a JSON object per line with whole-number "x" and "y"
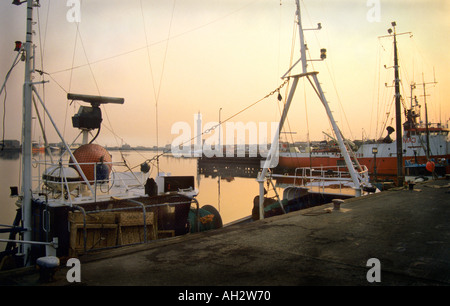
{"x": 170, "y": 60}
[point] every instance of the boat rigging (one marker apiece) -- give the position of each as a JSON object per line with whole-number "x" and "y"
{"x": 83, "y": 204}
{"x": 415, "y": 152}
{"x": 358, "y": 179}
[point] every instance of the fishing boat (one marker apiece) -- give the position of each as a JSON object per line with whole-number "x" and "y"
{"x": 38, "y": 147}
{"x": 420, "y": 148}
{"x": 314, "y": 184}
{"x": 83, "y": 201}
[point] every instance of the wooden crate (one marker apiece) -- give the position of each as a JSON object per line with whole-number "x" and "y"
{"x": 109, "y": 229}
{"x": 97, "y": 236}
{"x": 101, "y": 231}
{"x": 94, "y": 218}
{"x": 131, "y": 227}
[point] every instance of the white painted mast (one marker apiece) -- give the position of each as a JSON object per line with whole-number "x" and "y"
{"x": 26, "y": 136}
{"x": 273, "y": 154}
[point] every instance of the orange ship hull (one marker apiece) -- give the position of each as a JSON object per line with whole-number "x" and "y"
{"x": 385, "y": 166}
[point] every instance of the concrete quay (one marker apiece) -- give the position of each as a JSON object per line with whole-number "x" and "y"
{"x": 407, "y": 231}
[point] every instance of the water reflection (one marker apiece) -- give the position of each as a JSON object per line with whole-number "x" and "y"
{"x": 235, "y": 182}
{"x": 10, "y": 174}
{"x": 9, "y": 154}
{"x": 229, "y": 167}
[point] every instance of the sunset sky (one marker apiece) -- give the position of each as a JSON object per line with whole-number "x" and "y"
{"x": 188, "y": 56}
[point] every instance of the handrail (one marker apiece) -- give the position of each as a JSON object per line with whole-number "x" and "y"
{"x": 51, "y": 243}
{"x": 322, "y": 174}
{"x": 84, "y": 225}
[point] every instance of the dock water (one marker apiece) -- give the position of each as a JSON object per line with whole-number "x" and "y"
{"x": 407, "y": 231}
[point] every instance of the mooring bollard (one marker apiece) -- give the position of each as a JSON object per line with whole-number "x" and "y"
{"x": 47, "y": 267}
{"x": 337, "y": 204}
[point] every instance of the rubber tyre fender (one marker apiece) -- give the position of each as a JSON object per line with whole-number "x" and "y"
{"x": 217, "y": 218}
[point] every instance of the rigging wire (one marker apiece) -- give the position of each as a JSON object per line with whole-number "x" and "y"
{"x": 156, "y": 93}
{"x": 15, "y": 62}
{"x": 4, "y": 120}
{"x": 275, "y": 91}
{"x": 307, "y": 120}
{"x": 87, "y": 58}
{"x": 389, "y": 97}
{"x": 161, "y": 80}
{"x": 291, "y": 59}
{"x": 70, "y": 79}
{"x": 148, "y": 45}
{"x": 377, "y": 97}
{"x": 385, "y": 102}
{"x": 93, "y": 77}
{"x": 41, "y": 53}
{"x": 332, "y": 77}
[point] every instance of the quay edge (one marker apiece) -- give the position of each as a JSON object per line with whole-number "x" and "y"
{"x": 407, "y": 230}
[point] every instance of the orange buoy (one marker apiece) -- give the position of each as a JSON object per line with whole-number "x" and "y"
{"x": 88, "y": 155}
{"x": 430, "y": 166}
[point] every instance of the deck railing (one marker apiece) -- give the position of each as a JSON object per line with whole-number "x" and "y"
{"x": 61, "y": 186}
{"x": 336, "y": 177}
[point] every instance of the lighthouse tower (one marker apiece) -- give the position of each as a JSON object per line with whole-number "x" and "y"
{"x": 198, "y": 138}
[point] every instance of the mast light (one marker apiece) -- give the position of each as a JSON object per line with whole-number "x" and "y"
{"x": 18, "y": 2}
{"x": 18, "y": 46}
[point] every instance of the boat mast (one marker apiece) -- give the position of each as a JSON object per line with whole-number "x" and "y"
{"x": 398, "y": 114}
{"x": 426, "y": 121}
{"x": 321, "y": 94}
{"x": 426, "y": 116}
{"x": 273, "y": 153}
{"x": 302, "y": 38}
{"x": 26, "y": 136}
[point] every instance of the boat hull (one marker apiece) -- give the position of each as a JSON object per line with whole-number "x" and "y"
{"x": 380, "y": 166}
{"x": 109, "y": 224}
